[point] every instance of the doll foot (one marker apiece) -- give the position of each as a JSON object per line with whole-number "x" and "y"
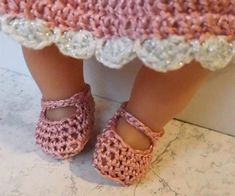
{"x": 66, "y": 137}
{"x": 116, "y": 159}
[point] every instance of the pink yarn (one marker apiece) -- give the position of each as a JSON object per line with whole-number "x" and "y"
{"x": 136, "y": 19}
{"x": 115, "y": 159}
{"x": 67, "y": 137}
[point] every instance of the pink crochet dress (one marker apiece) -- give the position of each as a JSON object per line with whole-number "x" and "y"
{"x": 164, "y": 34}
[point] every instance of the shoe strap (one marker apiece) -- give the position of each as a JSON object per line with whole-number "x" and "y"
{"x": 135, "y": 122}
{"x": 75, "y": 100}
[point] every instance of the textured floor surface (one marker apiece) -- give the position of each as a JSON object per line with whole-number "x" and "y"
{"x": 189, "y": 160}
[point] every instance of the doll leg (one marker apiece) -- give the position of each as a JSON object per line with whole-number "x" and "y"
{"x": 157, "y": 97}
{"x": 57, "y": 76}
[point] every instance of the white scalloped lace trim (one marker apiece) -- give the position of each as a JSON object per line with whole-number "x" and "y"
{"x": 161, "y": 55}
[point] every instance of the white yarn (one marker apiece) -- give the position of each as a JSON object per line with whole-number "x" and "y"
{"x": 161, "y": 55}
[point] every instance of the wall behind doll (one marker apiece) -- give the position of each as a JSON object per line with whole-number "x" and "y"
{"x": 213, "y": 106}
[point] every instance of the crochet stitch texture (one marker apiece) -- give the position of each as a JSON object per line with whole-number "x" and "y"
{"x": 164, "y": 35}
{"x": 115, "y": 159}
{"x": 67, "y": 137}
{"x": 136, "y": 19}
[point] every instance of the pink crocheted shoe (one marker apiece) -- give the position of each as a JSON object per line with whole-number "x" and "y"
{"x": 67, "y": 137}
{"x": 115, "y": 159}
